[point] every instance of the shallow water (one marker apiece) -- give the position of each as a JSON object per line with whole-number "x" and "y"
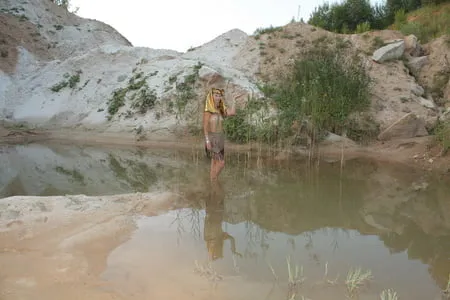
{"x": 390, "y": 220}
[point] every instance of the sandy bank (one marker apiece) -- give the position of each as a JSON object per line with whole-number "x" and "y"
{"x": 53, "y": 246}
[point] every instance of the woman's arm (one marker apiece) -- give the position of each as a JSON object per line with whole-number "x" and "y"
{"x": 206, "y": 116}
{"x": 232, "y": 111}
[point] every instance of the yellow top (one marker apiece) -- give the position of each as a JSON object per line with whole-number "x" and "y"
{"x": 209, "y": 103}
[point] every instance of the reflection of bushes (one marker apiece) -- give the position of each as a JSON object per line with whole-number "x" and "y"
{"x": 429, "y": 249}
{"x": 137, "y": 174}
{"x": 74, "y": 174}
{"x": 301, "y": 204}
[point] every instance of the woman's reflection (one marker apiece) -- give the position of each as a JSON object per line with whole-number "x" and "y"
{"x": 213, "y": 234}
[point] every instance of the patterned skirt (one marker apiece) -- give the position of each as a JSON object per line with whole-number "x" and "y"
{"x": 217, "y": 140}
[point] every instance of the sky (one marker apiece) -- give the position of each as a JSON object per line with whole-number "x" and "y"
{"x": 181, "y": 24}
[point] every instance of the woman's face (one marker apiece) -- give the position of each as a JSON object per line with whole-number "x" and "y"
{"x": 217, "y": 97}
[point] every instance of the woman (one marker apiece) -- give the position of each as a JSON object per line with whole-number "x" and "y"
{"x": 213, "y": 116}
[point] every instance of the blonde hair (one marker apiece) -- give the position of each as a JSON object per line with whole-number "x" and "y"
{"x": 210, "y": 105}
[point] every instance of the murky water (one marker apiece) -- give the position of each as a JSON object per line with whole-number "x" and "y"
{"x": 325, "y": 219}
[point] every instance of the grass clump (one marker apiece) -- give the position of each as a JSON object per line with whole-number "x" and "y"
{"x": 442, "y": 135}
{"x": 252, "y": 123}
{"x": 143, "y": 98}
{"x": 324, "y": 89}
{"x": 185, "y": 90}
{"x": 356, "y": 279}
{"x": 271, "y": 29}
{"x": 323, "y": 92}
{"x": 70, "y": 80}
{"x": 388, "y": 295}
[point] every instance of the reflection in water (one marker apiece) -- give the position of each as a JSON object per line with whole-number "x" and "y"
{"x": 213, "y": 233}
{"x": 391, "y": 220}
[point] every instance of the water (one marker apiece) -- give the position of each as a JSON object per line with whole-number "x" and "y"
{"x": 388, "y": 219}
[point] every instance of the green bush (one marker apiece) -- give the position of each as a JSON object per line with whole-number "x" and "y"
{"x": 252, "y": 123}
{"x": 363, "y": 27}
{"x": 325, "y": 87}
{"x": 319, "y": 94}
{"x": 442, "y": 135}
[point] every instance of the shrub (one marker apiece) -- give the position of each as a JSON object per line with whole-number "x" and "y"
{"x": 320, "y": 93}
{"x": 325, "y": 88}
{"x": 442, "y": 135}
{"x": 363, "y": 27}
{"x": 252, "y": 123}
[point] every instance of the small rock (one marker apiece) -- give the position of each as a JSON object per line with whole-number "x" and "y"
{"x": 417, "y": 90}
{"x": 426, "y": 103}
{"x": 412, "y": 47}
{"x": 410, "y": 42}
{"x": 389, "y": 52}
{"x": 407, "y": 126}
{"x": 430, "y": 160}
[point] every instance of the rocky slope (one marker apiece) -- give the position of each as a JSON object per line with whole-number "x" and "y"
{"x": 60, "y": 70}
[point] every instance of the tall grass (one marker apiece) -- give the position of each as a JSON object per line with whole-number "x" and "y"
{"x": 442, "y": 135}
{"x": 322, "y": 92}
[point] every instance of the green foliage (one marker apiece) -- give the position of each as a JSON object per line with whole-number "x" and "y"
{"x": 71, "y": 81}
{"x": 442, "y": 135}
{"x": 145, "y": 100}
{"x": 429, "y": 22}
{"x": 440, "y": 80}
{"x": 142, "y": 96}
{"x": 62, "y": 3}
{"x": 266, "y": 30}
{"x": 251, "y": 123}
{"x": 74, "y": 79}
{"x": 400, "y": 18}
{"x": 346, "y": 16}
{"x": 185, "y": 90}
{"x": 363, "y": 27}
{"x": 325, "y": 88}
{"x": 320, "y": 93}
{"x": 271, "y": 29}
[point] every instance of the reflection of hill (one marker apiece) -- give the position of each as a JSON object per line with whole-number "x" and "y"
{"x": 14, "y": 187}
{"x": 374, "y": 201}
{"x": 57, "y": 169}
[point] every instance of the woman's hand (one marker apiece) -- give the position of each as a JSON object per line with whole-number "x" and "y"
{"x": 208, "y": 144}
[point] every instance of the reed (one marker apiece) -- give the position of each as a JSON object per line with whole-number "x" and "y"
{"x": 356, "y": 279}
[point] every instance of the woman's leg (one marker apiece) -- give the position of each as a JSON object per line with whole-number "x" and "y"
{"x": 217, "y": 165}
{"x": 217, "y": 156}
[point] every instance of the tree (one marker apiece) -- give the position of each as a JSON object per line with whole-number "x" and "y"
{"x": 66, "y": 5}
{"x": 63, "y": 3}
{"x": 343, "y": 17}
